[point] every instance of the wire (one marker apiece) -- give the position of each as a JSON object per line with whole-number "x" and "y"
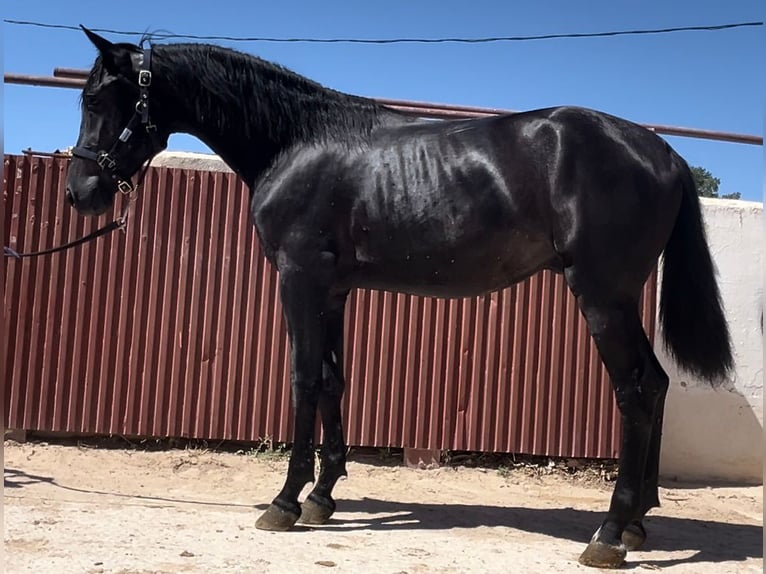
{"x": 166, "y": 36}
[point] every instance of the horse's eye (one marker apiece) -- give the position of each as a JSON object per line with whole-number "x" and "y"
{"x": 91, "y": 101}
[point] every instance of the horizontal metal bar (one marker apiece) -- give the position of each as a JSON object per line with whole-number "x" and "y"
{"x": 50, "y": 81}
{"x": 34, "y": 153}
{"x": 74, "y": 78}
{"x": 474, "y": 111}
{"x": 427, "y": 109}
{"x": 706, "y": 134}
{"x": 70, "y": 73}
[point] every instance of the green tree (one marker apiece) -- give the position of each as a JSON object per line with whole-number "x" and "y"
{"x": 707, "y": 184}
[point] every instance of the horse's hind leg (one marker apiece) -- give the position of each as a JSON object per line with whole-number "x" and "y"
{"x": 319, "y": 505}
{"x": 634, "y": 534}
{"x": 639, "y": 386}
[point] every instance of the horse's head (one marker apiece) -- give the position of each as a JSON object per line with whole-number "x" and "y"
{"x": 117, "y": 130}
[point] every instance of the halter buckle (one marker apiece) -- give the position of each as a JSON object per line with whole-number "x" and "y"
{"x": 125, "y": 187}
{"x": 144, "y": 78}
{"x": 105, "y": 161}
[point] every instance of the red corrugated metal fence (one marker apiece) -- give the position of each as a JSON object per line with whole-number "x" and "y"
{"x": 174, "y": 329}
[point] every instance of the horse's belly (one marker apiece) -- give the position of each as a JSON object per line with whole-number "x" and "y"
{"x": 451, "y": 229}
{"x": 445, "y": 270}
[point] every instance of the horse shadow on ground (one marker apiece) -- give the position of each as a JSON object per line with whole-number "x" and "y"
{"x": 13, "y": 478}
{"x": 17, "y": 479}
{"x": 710, "y": 540}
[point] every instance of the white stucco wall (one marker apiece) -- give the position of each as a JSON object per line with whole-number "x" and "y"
{"x": 716, "y": 434}
{"x": 189, "y": 160}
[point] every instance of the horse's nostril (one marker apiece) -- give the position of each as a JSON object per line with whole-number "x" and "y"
{"x": 69, "y": 196}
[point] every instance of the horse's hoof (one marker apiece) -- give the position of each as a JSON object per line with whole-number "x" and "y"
{"x": 316, "y": 511}
{"x": 634, "y": 536}
{"x": 276, "y": 518}
{"x": 602, "y": 555}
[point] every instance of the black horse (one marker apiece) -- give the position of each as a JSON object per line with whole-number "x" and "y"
{"x": 347, "y": 193}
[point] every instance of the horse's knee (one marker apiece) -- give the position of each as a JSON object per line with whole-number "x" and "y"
{"x": 639, "y": 395}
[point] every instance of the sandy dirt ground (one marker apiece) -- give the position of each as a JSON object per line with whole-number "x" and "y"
{"x": 76, "y": 509}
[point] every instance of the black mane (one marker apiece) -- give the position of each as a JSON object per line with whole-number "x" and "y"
{"x": 271, "y": 100}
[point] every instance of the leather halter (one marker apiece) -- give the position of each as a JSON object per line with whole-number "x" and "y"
{"x": 110, "y": 161}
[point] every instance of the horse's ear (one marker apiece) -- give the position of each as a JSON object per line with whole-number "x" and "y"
{"x": 116, "y": 57}
{"x": 103, "y": 45}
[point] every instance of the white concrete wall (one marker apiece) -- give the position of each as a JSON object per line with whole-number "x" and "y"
{"x": 716, "y": 434}
{"x": 189, "y": 160}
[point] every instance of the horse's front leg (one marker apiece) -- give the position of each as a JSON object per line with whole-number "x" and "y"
{"x": 304, "y": 298}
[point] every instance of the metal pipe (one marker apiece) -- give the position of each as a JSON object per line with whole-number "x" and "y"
{"x": 705, "y": 134}
{"x": 75, "y": 78}
{"x": 70, "y": 73}
{"x": 474, "y": 110}
{"x": 437, "y": 113}
{"x": 33, "y": 153}
{"x": 426, "y": 109}
{"x": 50, "y": 81}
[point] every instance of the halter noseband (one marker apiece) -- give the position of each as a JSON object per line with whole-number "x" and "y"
{"x": 108, "y": 161}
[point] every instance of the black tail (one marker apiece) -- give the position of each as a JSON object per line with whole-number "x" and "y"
{"x": 692, "y": 317}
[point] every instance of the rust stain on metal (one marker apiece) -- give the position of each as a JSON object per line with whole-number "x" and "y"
{"x": 175, "y": 329}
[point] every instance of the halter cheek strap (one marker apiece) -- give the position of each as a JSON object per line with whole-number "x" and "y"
{"x": 109, "y": 161}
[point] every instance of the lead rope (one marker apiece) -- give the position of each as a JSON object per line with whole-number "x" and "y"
{"x": 120, "y": 222}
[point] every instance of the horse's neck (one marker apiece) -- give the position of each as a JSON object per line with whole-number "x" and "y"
{"x": 249, "y": 126}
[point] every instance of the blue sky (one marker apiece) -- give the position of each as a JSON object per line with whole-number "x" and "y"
{"x": 710, "y": 80}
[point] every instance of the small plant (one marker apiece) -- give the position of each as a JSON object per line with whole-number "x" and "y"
{"x": 504, "y": 471}
{"x": 267, "y": 449}
{"x": 385, "y": 454}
